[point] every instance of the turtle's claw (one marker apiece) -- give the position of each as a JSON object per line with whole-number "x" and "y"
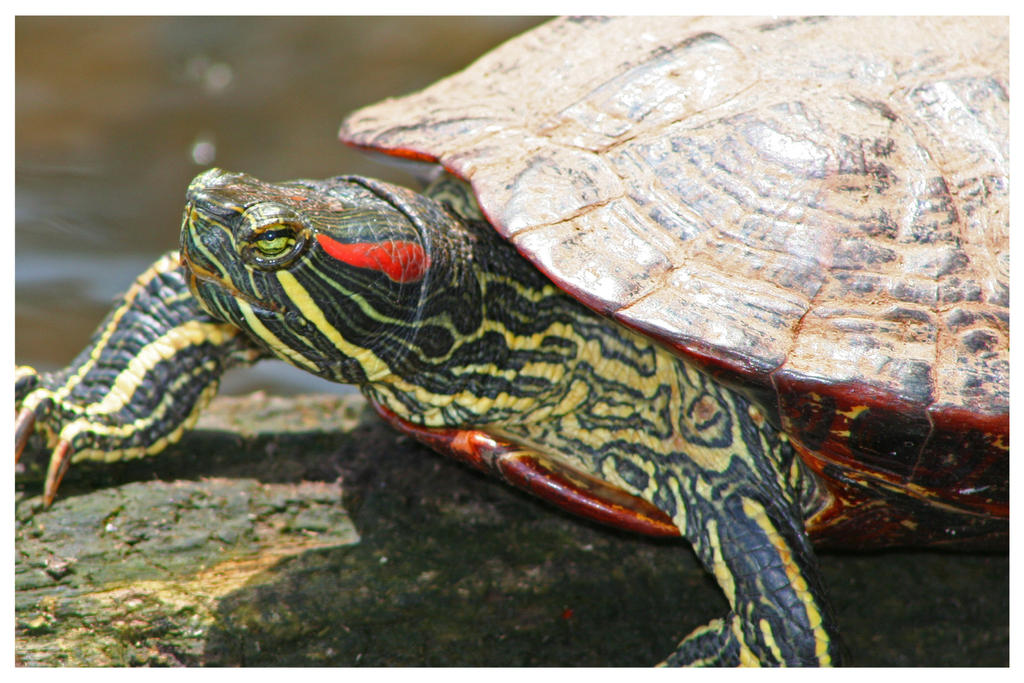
{"x": 23, "y": 424}
{"x": 33, "y": 400}
{"x": 60, "y": 459}
{"x": 59, "y": 462}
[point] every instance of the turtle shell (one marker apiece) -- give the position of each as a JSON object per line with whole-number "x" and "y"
{"x": 814, "y": 210}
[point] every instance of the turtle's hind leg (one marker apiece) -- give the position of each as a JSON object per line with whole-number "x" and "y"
{"x": 742, "y": 506}
{"x": 770, "y": 576}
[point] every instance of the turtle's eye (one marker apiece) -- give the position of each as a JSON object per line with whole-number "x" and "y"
{"x": 275, "y": 242}
{"x": 274, "y": 246}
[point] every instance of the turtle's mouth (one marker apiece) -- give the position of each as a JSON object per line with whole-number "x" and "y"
{"x": 207, "y": 287}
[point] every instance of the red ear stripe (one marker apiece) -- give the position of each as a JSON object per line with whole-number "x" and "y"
{"x": 401, "y": 261}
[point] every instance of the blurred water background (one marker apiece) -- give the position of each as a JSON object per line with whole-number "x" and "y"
{"x": 113, "y": 117}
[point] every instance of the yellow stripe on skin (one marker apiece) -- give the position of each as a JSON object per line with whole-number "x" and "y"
{"x": 162, "y": 348}
{"x": 747, "y": 656}
{"x": 436, "y": 403}
{"x": 257, "y": 328}
{"x": 552, "y": 371}
{"x": 167, "y": 263}
{"x": 722, "y": 573}
{"x": 769, "y": 639}
{"x": 578, "y": 392}
{"x": 126, "y": 429}
{"x": 756, "y": 512}
{"x": 124, "y": 386}
{"x": 375, "y": 368}
{"x": 199, "y": 246}
{"x": 535, "y": 409}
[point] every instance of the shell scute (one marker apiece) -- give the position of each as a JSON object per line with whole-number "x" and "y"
{"x": 814, "y": 206}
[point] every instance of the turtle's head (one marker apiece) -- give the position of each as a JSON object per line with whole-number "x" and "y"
{"x": 330, "y": 275}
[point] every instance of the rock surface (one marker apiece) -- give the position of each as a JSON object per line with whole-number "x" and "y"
{"x": 295, "y": 532}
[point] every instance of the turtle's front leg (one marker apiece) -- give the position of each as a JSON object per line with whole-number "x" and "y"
{"x": 148, "y": 370}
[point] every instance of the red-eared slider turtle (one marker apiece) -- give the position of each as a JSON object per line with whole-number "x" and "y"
{"x": 764, "y": 299}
